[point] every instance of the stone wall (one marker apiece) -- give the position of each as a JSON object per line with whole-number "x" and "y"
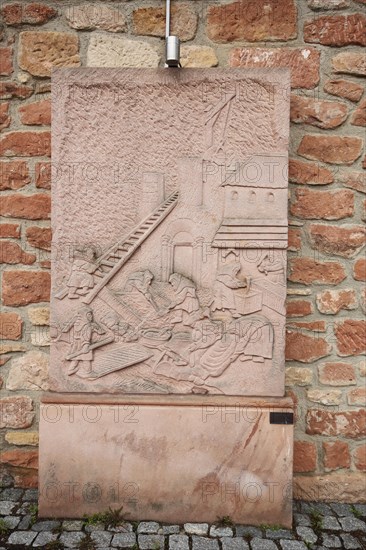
{"x": 321, "y": 40}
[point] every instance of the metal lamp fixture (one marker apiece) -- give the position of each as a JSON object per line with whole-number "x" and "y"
{"x": 172, "y": 43}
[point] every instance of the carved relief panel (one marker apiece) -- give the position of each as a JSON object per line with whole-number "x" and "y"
{"x": 170, "y": 231}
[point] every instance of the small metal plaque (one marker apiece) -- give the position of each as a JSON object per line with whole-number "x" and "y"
{"x": 281, "y": 418}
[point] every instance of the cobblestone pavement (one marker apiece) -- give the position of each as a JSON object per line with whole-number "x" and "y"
{"x": 317, "y": 526}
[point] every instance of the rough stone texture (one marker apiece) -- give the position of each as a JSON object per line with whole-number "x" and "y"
{"x": 252, "y": 21}
{"x": 12, "y": 253}
{"x": 22, "y": 438}
{"x": 10, "y": 325}
{"x": 9, "y": 90}
{"x": 342, "y": 487}
{"x": 345, "y": 241}
{"x": 202, "y": 543}
{"x": 337, "y": 374}
{"x": 24, "y": 538}
{"x": 200, "y": 529}
{"x": 298, "y": 308}
{"x": 39, "y": 237}
{"x": 115, "y": 51}
{"x": 305, "y": 456}
{"x": 303, "y": 62}
{"x": 217, "y": 531}
{"x": 11, "y": 230}
{"x": 14, "y": 174}
{"x": 307, "y": 270}
{"x": 304, "y": 348}
{"x": 39, "y": 52}
{"x": 151, "y": 542}
{"x": 357, "y": 396}
{"x": 32, "y": 207}
{"x": 43, "y": 175}
{"x": 29, "y": 372}
{"x": 298, "y": 376}
{"x": 178, "y": 542}
{"x": 350, "y": 335}
{"x": 326, "y": 205}
{"x": 39, "y": 315}
{"x": 350, "y": 424}
{"x": 148, "y": 528}
{"x": 332, "y": 149}
{"x": 354, "y": 180}
{"x": 310, "y": 173}
{"x": 325, "y": 397}
{"x": 16, "y": 412}
{"x": 151, "y": 21}
{"x": 359, "y": 269}
{"x": 197, "y": 57}
{"x": 95, "y": 16}
{"x": 25, "y": 144}
{"x": 359, "y": 457}
{"x": 344, "y": 88}
{"x": 28, "y": 13}
{"x": 6, "y": 61}
{"x": 328, "y": 4}
{"x": 358, "y": 117}
{"x": 336, "y": 30}
{"x": 331, "y": 302}
{"x": 349, "y": 63}
{"x": 25, "y": 287}
{"x": 323, "y": 114}
{"x": 5, "y": 118}
{"x": 37, "y": 113}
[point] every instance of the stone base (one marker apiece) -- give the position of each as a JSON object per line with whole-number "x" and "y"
{"x": 172, "y": 459}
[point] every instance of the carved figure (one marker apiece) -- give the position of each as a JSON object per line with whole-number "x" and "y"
{"x": 80, "y": 354}
{"x": 122, "y": 331}
{"x": 141, "y": 281}
{"x": 186, "y": 305}
{"x": 224, "y": 286}
{"x": 274, "y": 267}
{"x": 81, "y": 278}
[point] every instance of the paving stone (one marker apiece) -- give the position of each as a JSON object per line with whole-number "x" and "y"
{"x": 203, "y": 543}
{"x": 361, "y": 508}
{"x": 307, "y": 534}
{"x": 352, "y": 524}
{"x": 25, "y": 522}
{"x": 31, "y": 495}
{"x": 6, "y": 481}
{"x": 342, "y": 509}
{"x": 72, "y": 525}
{"x": 6, "y": 507}
{"x": 24, "y": 509}
{"x": 171, "y": 529}
{"x": 123, "y": 528}
{"x": 196, "y": 528}
{"x": 11, "y": 494}
{"x": 220, "y": 531}
{"x": 293, "y": 545}
{"x": 245, "y": 530}
{"x": 148, "y": 527}
{"x": 47, "y": 525}
{"x": 349, "y": 542}
{"x": 94, "y": 528}
{"x": 101, "y": 538}
{"x": 331, "y": 523}
{"x": 276, "y": 534}
{"x": 178, "y": 542}
{"x": 44, "y": 538}
{"x": 261, "y": 544}
{"x": 321, "y": 507}
{"x": 12, "y": 521}
{"x": 302, "y": 519}
{"x": 151, "y": 542}
{"x": 71, "y": 539}
{"x": 331, "y": 541}
{"x": 124, "y": 540}
{"x": 229, "y": 543}
{"x": 22, "y": 538}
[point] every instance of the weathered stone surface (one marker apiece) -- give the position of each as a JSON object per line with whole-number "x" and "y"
{"x": 332, "y": 149}
{"x": 203, "y": 543}
{"x": 27, "y": 13}
{"x": 354, "y": 180}
{"x": 350, "y": 424}
{"x": 298, "y": 376}
{"x": 326, "y": 205}
{"x": 337, "y": 374}
{"x": 13, "y": 174}
{"x": 32, "y": 207}
{"x": 358, "y": 117}
{"x": 359, "y": 457}
{"x": 337, "y": 30}
{"x": 344, "y": 88}
{"x": 39, "y": 52}
{"x": 229, "y": 543}
{"x": 197, "y": 57}
{"x": 25, "y": 287}
{"x": 39, "y": 237}
{"x": 12, "y": 253}
{"x": 29, "y": 372}
{"x": 345, "y": 241}
{"x": 307, "y": 270}
{"x": 8, "y": 348}
{"x": 71, "y": 540}
{"x": 36, "y": 113}
{"x": 328, "y": 4}
{"x": 148, "y": 527}
{"x": 345, "y": 487}
{"x": 305, "y": 348}
{"x": 10, "y": 230}
{"x": 294, "y": 239}
{"x": 44, "y": 539}
{"x": 252, "y": 21}
{"x": 261, "y": 544}
{"x": 298, "y": 308}
{"x": 26, "y": 144}
{"x": 359, "y": 270}
{"x": 8, "y": 90}
{"x": 305, "y": 456}
{"x": 323, "y": 114}
{"x": 21, "y": 538}
{"x": 116, "y": 51}
{"x": 325, "y": 397}
{"x": 332, "y": 301}
{"x": 43, "y": 175}
{"x": 350, "y": 524}
{"x": 217, "y": 531}
{"x": 39, "y": 315}
{"x": 22, "y": 438}
{"x": 199, "y": 529}
{"x": 5, "y": 118}
{"x": 351, "y": 337}
{"x": 151, "y": 542}
{"x": 10, "y": 325}
{"x": 307, "y": 535}
{"x": 310, "y": 173}
{"x": 357, "y": 396}
{"x": 150, "y": 21}
{"x": 314, "y": 326}
{"x": 178, "y": 542}
{"x": 16, "y": 412}
{"x": 6, "y": 61}
{"x": 124, "y": 540}
{"x": 349, "y": 63}
{"x": 303, "y": 62}
{"x": 96, "y": 16}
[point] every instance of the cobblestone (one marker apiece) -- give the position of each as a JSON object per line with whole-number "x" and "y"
{"x": 248, "y": 531}
{"x": 293, "y": 545}
{"x": 11, "y": 494}
{"x": 196, "y": 528}
{"x": 151, "y": 542}
{"x": 12, "y": 521}
{"x": 352, "y": 524}
{"x": 220, "y": 531}
{"x": 307, "y": 534}
{"x": 22, "y": 537}
{"x": 331, "y": 523}
{"x": 124, "y": 540}
{"x": 44, "y": 538}
{"x": 276, "y": 534}
{"x": 45, "y": 525}
{"x": 349, "y": 542}
{"x": 101, "y": 538}
{"x": 178, "y": 542}
{"x": 229, "y": 543}
{"x": 331, "y": 541}
{"x": 342, "y": 509}
{"x": 71, "y": 539}
{"x": 203, "y": 543}
{"x": 302, "y": 519}
{"x": 72, "y": 525}
{"x": 148, "y": 527}
{"x": 171, "y": 529}
{"x": 6, "y": 507}
{"x": 261, "y": 544}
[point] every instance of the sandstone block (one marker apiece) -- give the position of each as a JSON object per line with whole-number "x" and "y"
{"x": 351, "y": 337}
{"x": 26, "y": 144}
{"x": 306, "y": 271}
{"x": 6, "y": 61}
{"x": 325, "y": 397}
{"x": 198, "y": 57}
{"x": 337, "y": 374}
{"x": 332, "y": 149}
{"x": 39, "y": 237}
{"x": 36, "y": 113}
{"x": 29, "y": 372}
{"x": 31, "y": 207}
{"x": 27, "y": 13}
{"x": 336, "y": 30}
{"x": 40, "y": 51}
{"x": 22, "y": 438}
{"x": 331, "y": 302}
{"x": 349, "y": 63}
{"x": 10, "y": 326}
{"x": 95, "y": 16}
{"x": 12, "y": 253}
{"x": 359, "y": 270}
{"x": 5, "y": 118}
{"x": 336, "y": 455}
{"x": 151, "y": 21}
{"x": 11, "y": 230}
{"x": 13, "y": 174}
{"x": 25, "y": 287}
{"x": 39, "y": 315}
{"x": 350, "y": 424}
{"x": 298, "y": 376}
{"x": 305, "y": 456}
{"x": 344, "y": 88}
{"x": 323, "y": 114}
{"x": 345, "y": 241}
{"x": 305, "y": 348}
{"x": 116, "y": 51}
{"x": 16, "y": 412}
{"x": 326, "y": 205}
